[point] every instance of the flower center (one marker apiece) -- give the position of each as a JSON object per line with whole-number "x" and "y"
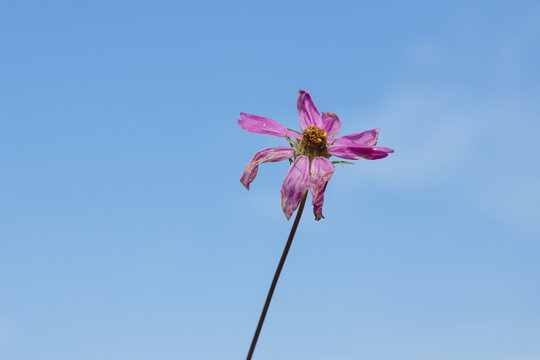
{"x": 313, "y": 142}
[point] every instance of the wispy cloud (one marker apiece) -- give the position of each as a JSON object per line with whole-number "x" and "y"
{"x": 485, "y": 133}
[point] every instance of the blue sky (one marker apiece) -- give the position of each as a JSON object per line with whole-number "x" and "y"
{"x": 125, "y": 233}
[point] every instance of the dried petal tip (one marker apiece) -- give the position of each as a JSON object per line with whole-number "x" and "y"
{"x": 322, "y": 170}
{"x": 307, "y": 111}
{"x": 331, "y": 124}
{"x": 295, "y": 185}
{"x": 265, "y": 155}
{"x": 365, "y": 138}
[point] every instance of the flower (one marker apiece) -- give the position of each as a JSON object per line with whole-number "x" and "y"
{"x": 309, "y": 152}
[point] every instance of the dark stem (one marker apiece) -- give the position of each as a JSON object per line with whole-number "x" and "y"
{"x": 276, "y": 277}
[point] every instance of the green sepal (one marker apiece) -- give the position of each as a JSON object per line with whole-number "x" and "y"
{"x": 294, "y": 144}
{"x": 298, "y": 132}
{"x": 341, "y": 162}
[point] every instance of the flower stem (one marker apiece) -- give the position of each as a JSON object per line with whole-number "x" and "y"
{"x": 276, "y": 277}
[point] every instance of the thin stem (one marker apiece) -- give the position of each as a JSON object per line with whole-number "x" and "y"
{"x": 276, "y": 277}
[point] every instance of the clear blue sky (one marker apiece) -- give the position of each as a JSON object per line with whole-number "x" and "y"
{"x": 126, "y": 234}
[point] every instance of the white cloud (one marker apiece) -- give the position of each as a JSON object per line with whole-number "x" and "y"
{"x": 486, "y": 132}
{"x": 431, "y": 136}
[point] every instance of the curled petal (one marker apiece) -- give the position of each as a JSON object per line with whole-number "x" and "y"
{"x": 321, "y": 172}
{"x": 295, "y": 185}
{"x": 366, "y": 138}
{"x": 330, "y": 124}
{"x": 265, "y": 126}
{"x": 357, "y": 152}
{"x": 307, "y": 111}
{"x": 265, "y": 155}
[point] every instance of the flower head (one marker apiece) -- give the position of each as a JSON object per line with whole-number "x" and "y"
{"x": 309, "y": 152}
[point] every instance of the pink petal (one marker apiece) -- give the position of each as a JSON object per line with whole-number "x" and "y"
{"x": 265, "y": 155}
{"x": 366, "y": 138}
{"x": 309, "y": 115}
{"x": 330, "y": 124}
{"x": 357, "y": 152}
{"x": 265, "y": 126}
{"x": 321, "y": 172}
{"x": 295, "y": 185}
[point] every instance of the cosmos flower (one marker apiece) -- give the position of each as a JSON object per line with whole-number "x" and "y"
{"x": 309, "y": 152}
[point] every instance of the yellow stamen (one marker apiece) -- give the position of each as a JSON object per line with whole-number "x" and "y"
{"x": 313, "y": 142}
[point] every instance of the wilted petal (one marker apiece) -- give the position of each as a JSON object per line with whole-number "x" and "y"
{"x": 357, "y": 152}
{"x": 307, "y": 111}
{"x": 265, "y": 126}
{"x": 265, "y": 155}
{"x": 366, "y": 138}
{"x": 295, "y": 185}
{"x": 321, "y": 172}
{"x": 330, "y": 124}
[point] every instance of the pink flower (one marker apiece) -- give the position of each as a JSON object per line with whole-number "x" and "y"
{"x": 309, "y": 152}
